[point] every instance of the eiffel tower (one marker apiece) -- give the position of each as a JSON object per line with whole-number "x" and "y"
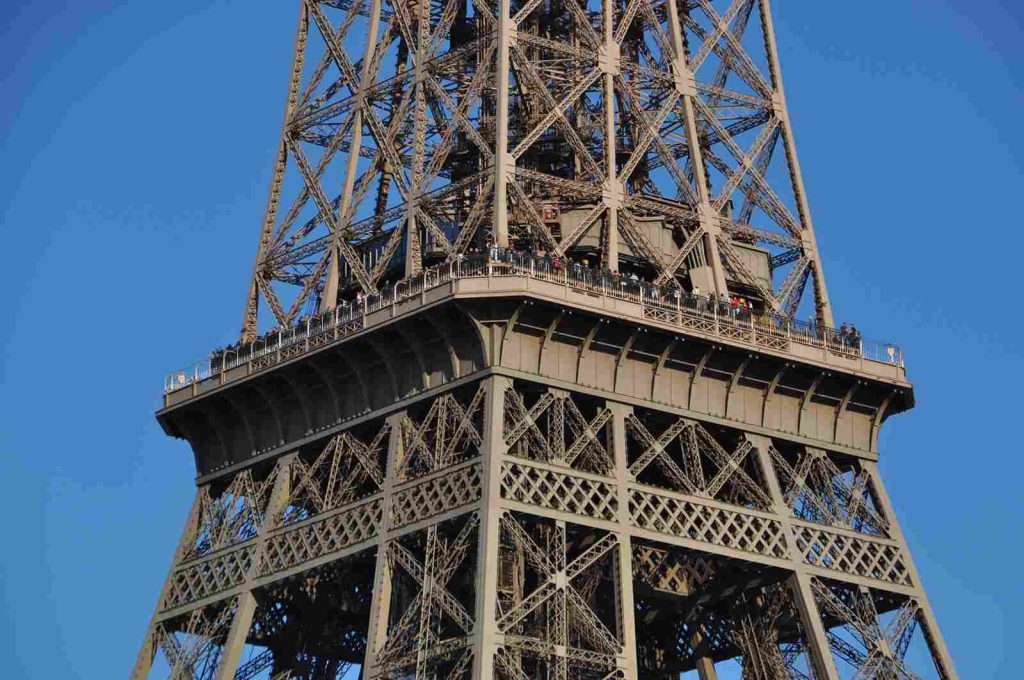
{"x": 522, "y": 388}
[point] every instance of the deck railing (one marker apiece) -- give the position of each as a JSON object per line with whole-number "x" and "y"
{"x": 672, "y": 306}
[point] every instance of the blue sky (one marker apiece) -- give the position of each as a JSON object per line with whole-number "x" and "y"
{"x": 136, "y": 146}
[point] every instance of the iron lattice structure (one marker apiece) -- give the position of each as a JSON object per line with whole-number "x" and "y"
{"x": 642, "y": 134}
{"x": 486, "y": 470}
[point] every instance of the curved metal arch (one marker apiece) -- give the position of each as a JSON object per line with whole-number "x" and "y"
{"x": 258, "y": 390}
{"x": 300, "y": 397}
{"x": 447, "y": 340}
{"x": 214, "y": 434}
{"x": 214, "y": 427}
{"x": 323, "y": 375}
{"x": 371, "y": 348}
{"x": 230, "y": 400}
{"x": 399, "y": 331}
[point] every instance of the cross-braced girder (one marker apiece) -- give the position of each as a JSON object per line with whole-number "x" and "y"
{"x": 521, "y": 530}
{"x": 649, "y": 136}
{"x": 528, "y": 510}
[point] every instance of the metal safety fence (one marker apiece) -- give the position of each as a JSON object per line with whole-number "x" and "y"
{"x": 708, "y": 314}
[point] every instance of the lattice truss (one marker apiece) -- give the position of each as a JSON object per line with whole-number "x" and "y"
{"x": 555, "y": 607}
{"x": 444, "y": 433}
{"x": 191, "y": 645}
{"x": 695, "y": 610}
{"x": 827, "y": 489}
{"x": 871, "y": 632}
{"x": 558, "y": 428}
{"x": 348, "y": 468}
{"x": 311, "y": 626}
{"x": 416, "y": 131}
{"x": 231, "y": 514}
{"x": 432, "y": 603}
{"x": 684, "y": 456}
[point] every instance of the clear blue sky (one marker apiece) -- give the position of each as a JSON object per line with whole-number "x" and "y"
{"x": 136, "y": 142}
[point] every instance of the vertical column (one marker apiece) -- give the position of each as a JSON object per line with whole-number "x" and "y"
{"x": 687, "y": 88}
{"x": 501, "y": 157}
{"x": 144, "y": 660}
{"x": 937, "y": 645}
{"x": 625, "y": 561}
{"x": 809, "y": 242}
{"x": 800, "y": 581}
{"x": 413, "y": 246}
{"x": 380, "y": 607}
{"x": 330, "y": 294}
{"x": 242, "y": 621}
{"x": 613, "y": 192}
{"x": 485, "y": 633}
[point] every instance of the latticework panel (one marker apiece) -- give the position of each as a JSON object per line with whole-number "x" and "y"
{"x": 321, "y": 536}
{"x": 208, "y": 576}
{"x": 437, "y": 495}
{"x": 665, "y": 570}
{"x": 232, "y": 514}
{"x": 818, "y": 489}
{"x": 347, "y": 469}
{"x": 284, "y": 549}
{"x": 191, "y": 644}
{"x": 553, "y": 429}
{"x": 432, "y": 614}
{"x": 554, "y": 490}
{"x": 857, "y": 555}
{"x": 691, "y": 519}
{"x": 554, "y": 610}
{"x": 446, "y": 433}
{"x": 870, "y": 632}
{"x": 684, "y": 456}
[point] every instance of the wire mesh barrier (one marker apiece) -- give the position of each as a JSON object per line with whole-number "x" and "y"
{"x": 711, "y": 315}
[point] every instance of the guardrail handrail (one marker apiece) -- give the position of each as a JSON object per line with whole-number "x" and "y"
{"x": 670, "y": 305}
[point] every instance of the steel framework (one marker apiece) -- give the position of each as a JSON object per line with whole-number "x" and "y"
{"x": 497, "y": 476}
{"x": 417, "y": 131}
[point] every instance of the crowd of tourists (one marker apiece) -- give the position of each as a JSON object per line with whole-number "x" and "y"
{"x": 582, "y": 274}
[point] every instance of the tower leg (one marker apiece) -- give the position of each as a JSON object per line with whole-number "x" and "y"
{"x": 144, "y": 660}
{"x": 234, "y": 645}
{"x": 625, "y": 561}
{"x": 380, "y": 608}
{"x": 800, "y": 581}
{"x": 485, "y": 636}
{"x": 936, "y": 644}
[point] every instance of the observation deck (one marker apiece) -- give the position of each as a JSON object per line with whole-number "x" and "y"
{"x": 516, "y": 316}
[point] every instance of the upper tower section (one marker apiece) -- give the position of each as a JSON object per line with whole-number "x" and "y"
{"x": 647, "y": 137}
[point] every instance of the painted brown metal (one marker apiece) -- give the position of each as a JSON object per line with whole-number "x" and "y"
{"x": 504, "y": 475}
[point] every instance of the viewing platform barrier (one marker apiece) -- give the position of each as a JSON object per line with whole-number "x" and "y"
{"x": 672, "y": 307}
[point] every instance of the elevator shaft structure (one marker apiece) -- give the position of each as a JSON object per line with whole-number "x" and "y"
{"x": 521, "y": 390}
